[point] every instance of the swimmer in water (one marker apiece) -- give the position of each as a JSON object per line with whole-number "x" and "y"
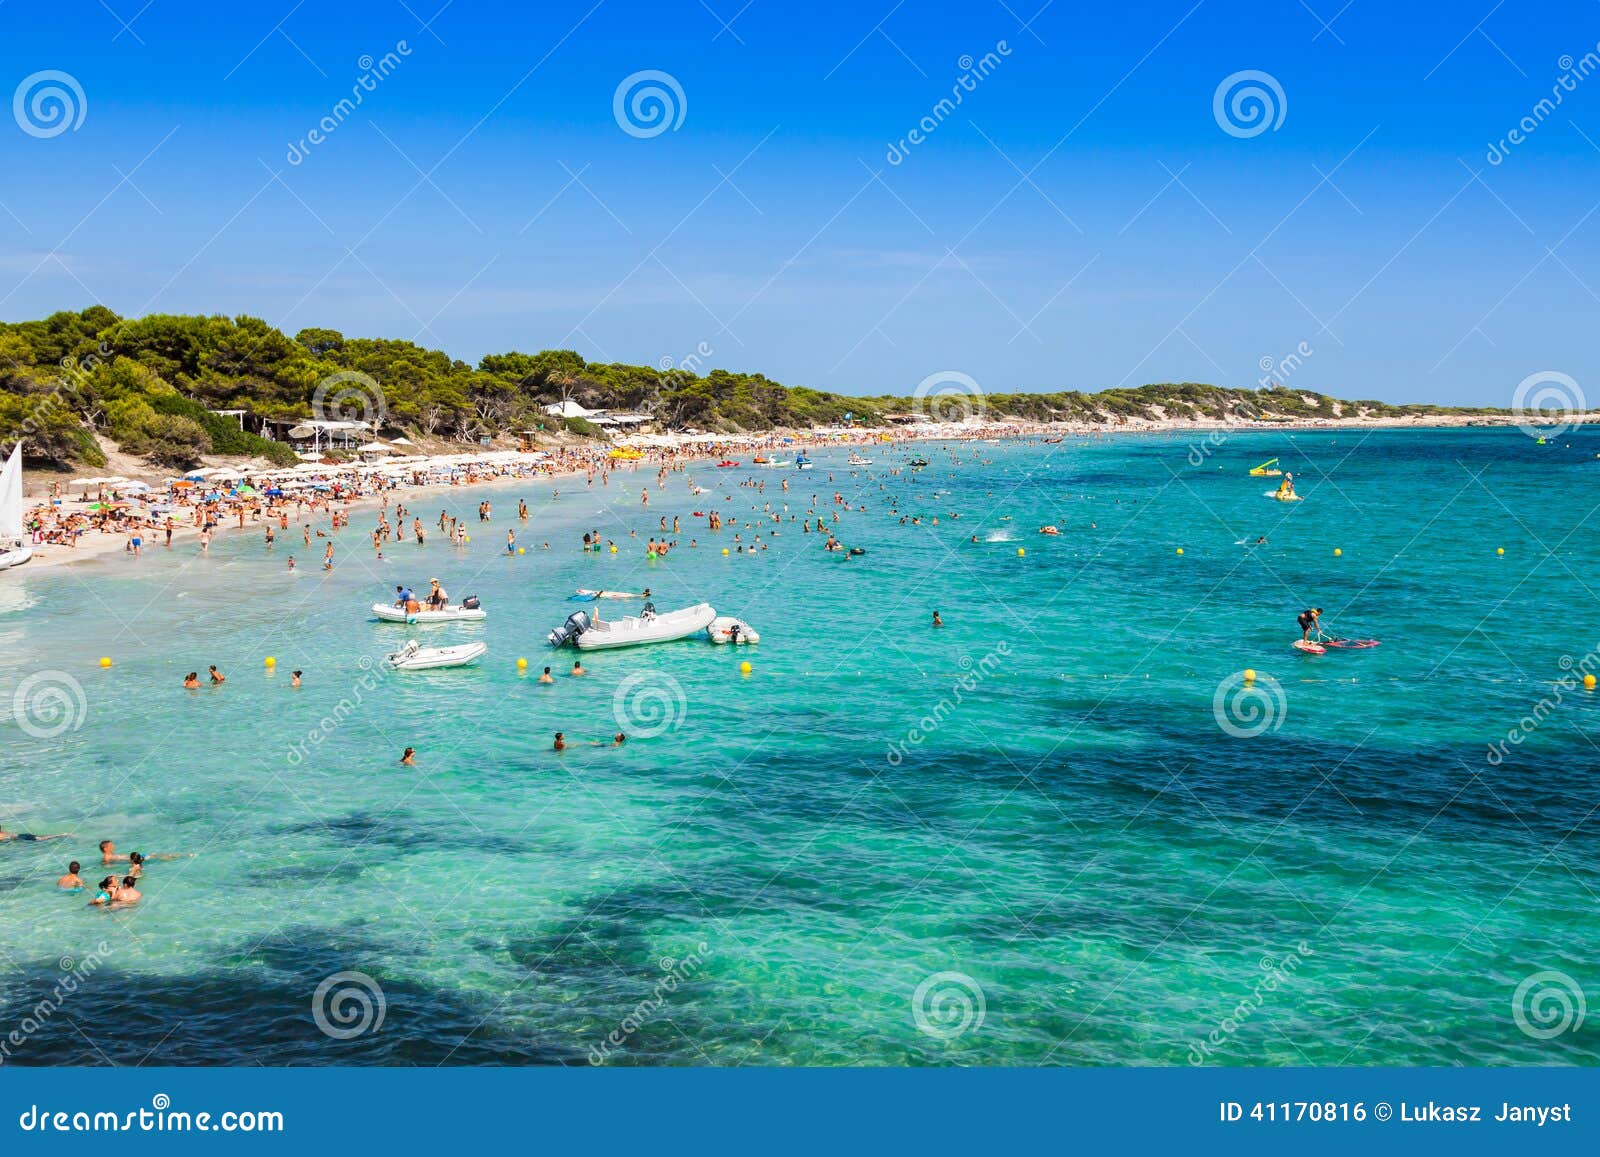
{"x": 560, "y": 743}
{"x": 191, "y": 681}
{"x": 107, "y": 893}
{"x": 1309, "y": 620}
{"x": 577, "y": 668}
{"x": 128, "y": 892}
{"x": 408, "y": 757}
{"x": 29, "y": 837}
{"x": 72, "y": 881}
{"x": 546, "y": 677}
{"x": 294, "y": 678}
{"x": 217, "y": 677}
{"x": 937, "y": 621}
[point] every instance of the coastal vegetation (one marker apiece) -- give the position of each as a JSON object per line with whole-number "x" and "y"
{"x": 153, "y": 386}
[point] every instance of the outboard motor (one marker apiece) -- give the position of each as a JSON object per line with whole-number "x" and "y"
{"x": 577, "y": 623}
{"x": 470, "y": 603}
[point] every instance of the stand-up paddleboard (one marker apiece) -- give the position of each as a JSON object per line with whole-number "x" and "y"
{"x": 1309, "y": 647}
{"x": 1349, "y": 644}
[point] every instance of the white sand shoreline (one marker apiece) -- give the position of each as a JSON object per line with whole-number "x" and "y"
{"x": 668, "y": 451}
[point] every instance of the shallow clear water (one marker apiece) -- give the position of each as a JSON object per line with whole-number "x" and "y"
{"x": 1038, "y": 797}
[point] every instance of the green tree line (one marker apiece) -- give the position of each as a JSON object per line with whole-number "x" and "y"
{"x": 149, "y": 384}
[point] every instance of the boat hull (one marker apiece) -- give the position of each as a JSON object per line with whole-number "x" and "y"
{"x": 636, "y": 632}
{"x": 11, "y": 558}
{"x": 720, "y": 631}
{"x": 393, "y": 614}
{"x": 437, "y": 658}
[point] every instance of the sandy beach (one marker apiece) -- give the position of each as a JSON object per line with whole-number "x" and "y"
{"x": 668, "y": 451}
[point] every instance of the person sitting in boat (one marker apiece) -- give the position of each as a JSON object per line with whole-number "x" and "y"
{"x": 1286, "y": 487}
{"x": 1309, "y": 620}
{"x": 437, "y": 598}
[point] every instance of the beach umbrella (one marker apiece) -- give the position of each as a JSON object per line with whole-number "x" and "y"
{"x": 137, "y": 486}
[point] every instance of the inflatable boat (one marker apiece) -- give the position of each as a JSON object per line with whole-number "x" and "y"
{"x": 727, "y": 629}
{"x": 390, "y": 613}
{"x": 413, "y": 657}
{"x": 648, "y": 626}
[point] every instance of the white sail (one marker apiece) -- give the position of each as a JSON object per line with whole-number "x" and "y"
{"x": 12, "y": 551}
{"x": 11, "y": 498}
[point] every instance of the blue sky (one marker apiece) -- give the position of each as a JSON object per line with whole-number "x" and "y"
{"x": 1081, "y": 220}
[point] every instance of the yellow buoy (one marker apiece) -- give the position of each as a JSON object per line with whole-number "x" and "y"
{"x": 1020, "y": 552}
{"x": 1588, "y": 682}
{"x": 613, "y": 548}
{"x": 724, "y": 550}
{"x": 744, "y": 668}
{"x": 1249, "y": 674}
{"x": 105, "y": 660}
{"x": 1180, "y": 550}
{"x": 1499, "y": 550}
{"x": 522, "y": 550}
{"x": 1337, "y": 552}
{"x": 466, "y": 538}
{"x": 522, "y": 664}
{"x": 270, "y": 662}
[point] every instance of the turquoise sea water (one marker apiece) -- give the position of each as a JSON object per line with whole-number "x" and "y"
{"x": 1026, "y": 838}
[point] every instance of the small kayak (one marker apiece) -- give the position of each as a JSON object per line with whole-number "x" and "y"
{"x": 1309, "y": 647}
